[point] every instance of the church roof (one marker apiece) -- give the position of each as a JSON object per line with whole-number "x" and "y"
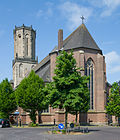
{"x": 44, "y": 72}
{"x": 42, "y": 63}
{"x": 80, "y": 38}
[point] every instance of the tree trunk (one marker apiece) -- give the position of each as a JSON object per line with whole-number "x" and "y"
{"x": 33, "y": 116}
{"x": 39, "y": 117}
{"x": 76, "y": 116}
{"x": 66, "y": 113}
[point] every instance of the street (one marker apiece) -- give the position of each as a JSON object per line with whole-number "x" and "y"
{"x": 96, "y": 133}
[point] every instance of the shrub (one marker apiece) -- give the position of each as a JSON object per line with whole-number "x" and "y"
{"x": 32, "y": 124}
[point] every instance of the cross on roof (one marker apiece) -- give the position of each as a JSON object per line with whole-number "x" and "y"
{"x": 82, "y": 17}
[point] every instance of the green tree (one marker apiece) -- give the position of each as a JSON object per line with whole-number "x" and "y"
{"x": 30, "y": 95}
{"x": 7, "y": 99}
{"x": 113, "y": 105}
{"x": 68, "y": 87}
{"x": 81, "y": 101}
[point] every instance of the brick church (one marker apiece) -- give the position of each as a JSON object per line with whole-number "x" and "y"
{"x": 88, "y": 56}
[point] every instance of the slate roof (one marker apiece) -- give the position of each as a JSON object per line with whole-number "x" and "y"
{"x": 43, "y": 69}
{"x": 44, "y": 73}
{"x": 42, "y": 63}
{"x": 80, "y": 38}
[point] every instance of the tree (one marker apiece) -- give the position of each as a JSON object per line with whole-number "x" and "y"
{"x": 30, "y": 95}
{"x": 68, "y": 88}
{"x": 81, "y": 101}
{"x": 7, "y": 99}
{"x": 113, "y": 105}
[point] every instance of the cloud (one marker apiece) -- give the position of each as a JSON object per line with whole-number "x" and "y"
{"x": 96, "y": 3}
{"x": 49, "y": 4}
{"x": 110, "y": 7}
{"x": 72, "y": 12}
{"x": 107, "y": 6}
{"x": 111, "y": 3}
{"x": 39, "y": 13}
{"x": 46, "y": 13}
{"x": 112, "y": 62}
{"x": 49, "y": 12}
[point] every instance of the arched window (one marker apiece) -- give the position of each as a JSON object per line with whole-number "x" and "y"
{"x": 21, "y": 70}
{"x": 90, "y": 72}
{"x": 19, "y": 36}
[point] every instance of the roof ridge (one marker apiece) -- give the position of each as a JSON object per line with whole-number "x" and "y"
{"x": 71, "y": 34}
{"x": 90, "y": 35}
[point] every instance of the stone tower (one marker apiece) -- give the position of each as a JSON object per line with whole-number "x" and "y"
{"x": 24, "y": 52}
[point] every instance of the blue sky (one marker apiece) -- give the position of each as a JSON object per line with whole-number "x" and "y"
{"x": 102, "y": 18}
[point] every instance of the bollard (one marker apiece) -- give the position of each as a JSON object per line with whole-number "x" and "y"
{"x": 87, "y": 130}
{"x": 20, "y": 122}
{"x": 54, "y": 121}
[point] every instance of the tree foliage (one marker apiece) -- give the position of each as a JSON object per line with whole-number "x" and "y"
{"x": 7, "y": 99}
{"x": 30, "y": 95}
{"x": 68, "y": 89}
{"x": 113, "y": 106}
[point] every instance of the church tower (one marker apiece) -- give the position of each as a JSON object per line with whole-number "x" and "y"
{"x": 24, "y": 52}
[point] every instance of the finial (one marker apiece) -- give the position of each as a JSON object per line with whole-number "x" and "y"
{"x": 82, "y": 17}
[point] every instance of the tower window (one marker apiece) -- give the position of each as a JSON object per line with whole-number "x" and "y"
{"x": 90, "y": 73}
{"x": 21, "y": 70}
{"x": 19, "y": 36}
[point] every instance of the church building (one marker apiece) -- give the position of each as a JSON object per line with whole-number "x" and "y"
{"x": 89, "y": 58}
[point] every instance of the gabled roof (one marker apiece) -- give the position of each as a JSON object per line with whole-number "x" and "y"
{"x": 80, "y": 38}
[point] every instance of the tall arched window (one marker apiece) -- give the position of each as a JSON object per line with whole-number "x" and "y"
{"x": 90, "y": 72}
{"x": 21, "y": 70}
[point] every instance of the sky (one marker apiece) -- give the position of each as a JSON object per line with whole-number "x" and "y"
{"x": 102, "y": 19}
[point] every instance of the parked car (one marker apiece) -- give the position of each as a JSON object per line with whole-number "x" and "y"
{"x": 4, "y": 123}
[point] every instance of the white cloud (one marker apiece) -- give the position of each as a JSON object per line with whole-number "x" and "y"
{"x": 49, "y": 4}
{"x": 112, "y": 62}
{"x": 110, "y": 6}
{"x": 111, "y": 3}
{"x": 39, "y": 13}
{"x": 112, "y": 57}
{"x": 96, "y": 3}
{"x": 107, "y": 6}
{"x": 48, "y": 12}
{"x": 72, "y": 12}
{"x": 115, "y": 69}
